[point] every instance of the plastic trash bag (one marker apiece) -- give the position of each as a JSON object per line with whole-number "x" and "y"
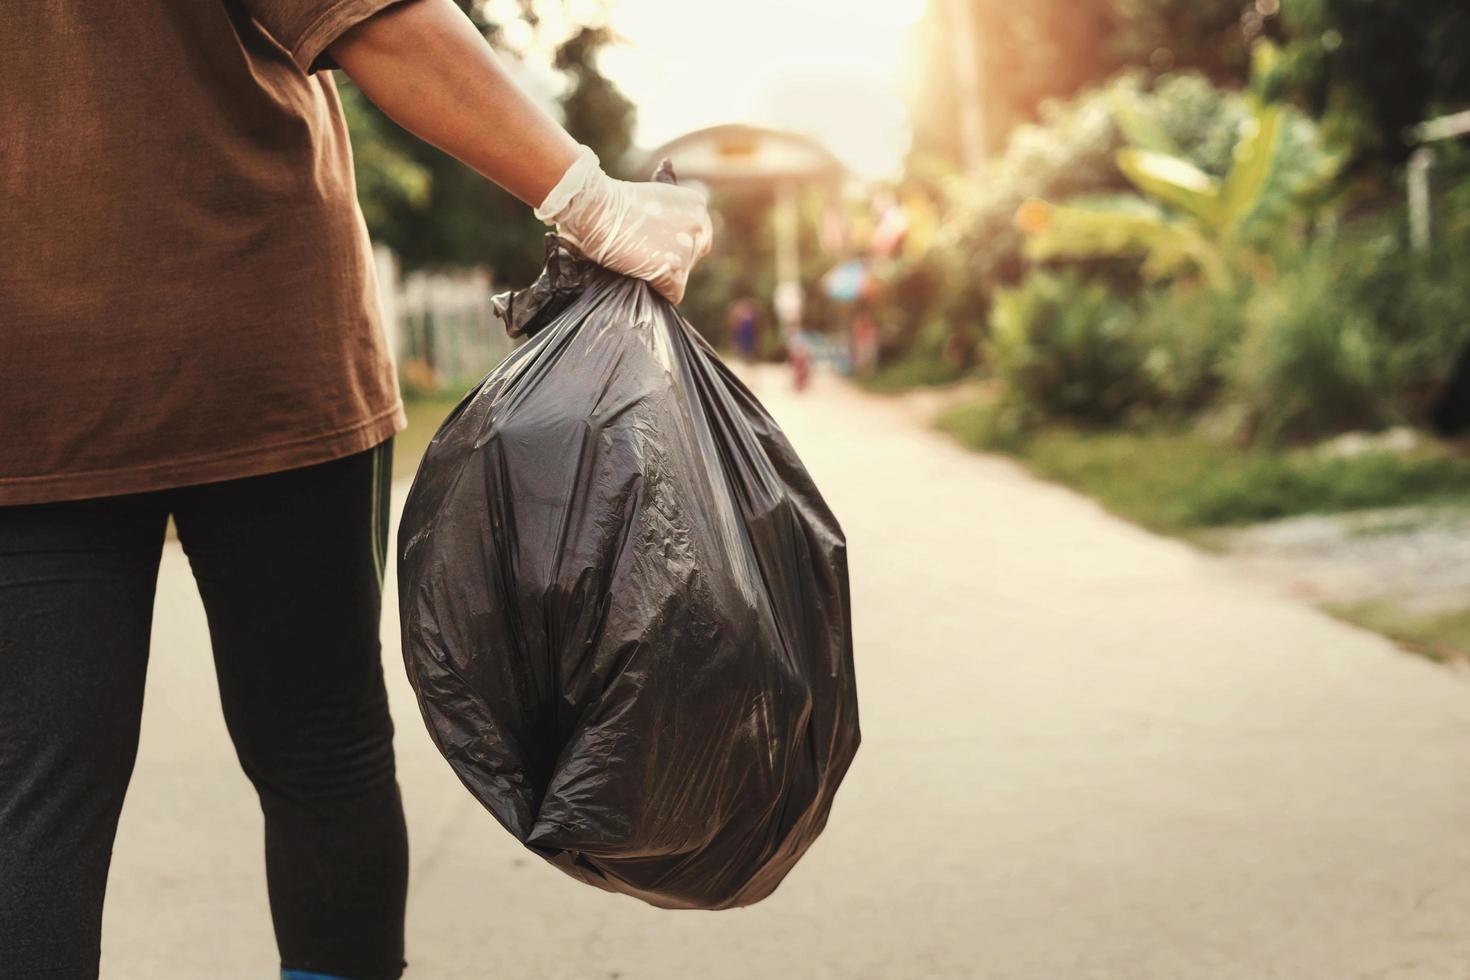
{"x": 625, "y": 605}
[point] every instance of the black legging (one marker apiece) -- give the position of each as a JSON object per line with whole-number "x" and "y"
{"x": 290, "y": 569}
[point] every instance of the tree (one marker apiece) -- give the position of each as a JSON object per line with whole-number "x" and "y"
{"x": 1377, "y": 67}
{"x": 1207, "y": 36}
{"x": 389, "y": 180}
{"x": 1054, "y": 49}
{"x": 432, "y": 210}
{"x": 1029, "y": 53}
{"x": 594, "y": 110}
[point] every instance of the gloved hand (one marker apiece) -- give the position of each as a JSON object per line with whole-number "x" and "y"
{"x": 652, "y": 231}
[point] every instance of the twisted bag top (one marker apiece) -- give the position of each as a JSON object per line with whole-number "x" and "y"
{"x": 625, "y": 605}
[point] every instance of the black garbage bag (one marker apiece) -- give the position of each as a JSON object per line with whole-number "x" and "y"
{"x": 625, "y": 605}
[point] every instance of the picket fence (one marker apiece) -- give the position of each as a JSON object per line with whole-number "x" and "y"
{"x": 439, "y": 324}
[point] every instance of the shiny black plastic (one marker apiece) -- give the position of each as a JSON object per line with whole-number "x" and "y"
{"x": 625, "y": 605}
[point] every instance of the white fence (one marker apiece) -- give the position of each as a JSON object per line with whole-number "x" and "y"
{"x": 439, "y": 324}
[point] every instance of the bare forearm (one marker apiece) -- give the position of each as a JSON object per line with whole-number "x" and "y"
{"x": 426, "y": 66}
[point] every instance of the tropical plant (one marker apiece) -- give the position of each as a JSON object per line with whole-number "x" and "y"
{"x": 1072, "y": 152}
{"x": 976, "y": 248}
{"x": 1189, "y": 220}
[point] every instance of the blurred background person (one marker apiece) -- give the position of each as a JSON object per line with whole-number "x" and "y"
{"x": 743, "y": 324}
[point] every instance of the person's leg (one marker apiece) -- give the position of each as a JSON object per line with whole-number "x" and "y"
{"x": 76, "y": 605}
{"x": 290, "y": 569}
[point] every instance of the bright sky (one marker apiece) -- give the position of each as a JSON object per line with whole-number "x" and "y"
{"x": 826, "y": 68}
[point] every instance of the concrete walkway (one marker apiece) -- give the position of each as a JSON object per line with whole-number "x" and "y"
{"x": 1090, "y": 753}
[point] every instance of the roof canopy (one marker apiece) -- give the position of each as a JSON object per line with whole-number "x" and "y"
{"x": 748, "y": 155}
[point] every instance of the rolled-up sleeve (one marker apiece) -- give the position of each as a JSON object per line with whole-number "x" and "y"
{"x": 305, "y": 28}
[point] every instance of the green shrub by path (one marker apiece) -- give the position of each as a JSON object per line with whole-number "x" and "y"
{"x": 1307, "y": 365}
{"x": 912, "y": 372}
{"x": 1187, "y": 334}
{"x": 1070, "y": 348}
{"x": 1255, "y": 305}
{"x": 1065, "y": 348}
{"x": 1175, "y": 482}
{"x": 1356, "y": 332}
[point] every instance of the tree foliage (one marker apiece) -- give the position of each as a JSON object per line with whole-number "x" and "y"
{"x": 593, "y": 109}
{"x": 1028, "y": 53}
{"x": 1205, "y": 36}
{"x": 1375, "y": 68}
{"x": 1045, "y": 50}
{"x": 1370, "y": 68}
{"x": 434, "y": 211}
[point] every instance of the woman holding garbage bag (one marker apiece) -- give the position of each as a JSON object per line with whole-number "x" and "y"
{"x": 187, "y": 328}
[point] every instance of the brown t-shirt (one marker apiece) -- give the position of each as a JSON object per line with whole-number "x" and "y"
{"x": 186, "y": 285}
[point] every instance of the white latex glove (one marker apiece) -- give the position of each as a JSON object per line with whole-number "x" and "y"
{"x": 652, "y": 231}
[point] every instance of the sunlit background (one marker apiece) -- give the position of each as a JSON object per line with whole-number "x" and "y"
{"x": 831, "y": 71}
{"x": 1129, "y": 340}
{"x": 1203, "y": 259}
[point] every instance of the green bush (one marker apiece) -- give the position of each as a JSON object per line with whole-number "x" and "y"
{"x": 1306, "y": 365}
{"x": 926, "y": 364}
{"x": 1063, "y": 348}
{"x": 1070, "y": 347}
{"x": 1358, "y": 332}
{"x": 1419, "y": 306}
{"x": 1188, "y": 334}
{"x": 928, "y": 311}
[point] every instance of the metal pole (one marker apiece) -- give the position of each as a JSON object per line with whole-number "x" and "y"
{"x": 1420, "y": 164}
{"x": 788, "y": 298}
{"x": 1443, "y": 128}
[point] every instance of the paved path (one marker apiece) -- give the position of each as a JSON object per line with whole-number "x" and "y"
{"x": 1089, "y": 753}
